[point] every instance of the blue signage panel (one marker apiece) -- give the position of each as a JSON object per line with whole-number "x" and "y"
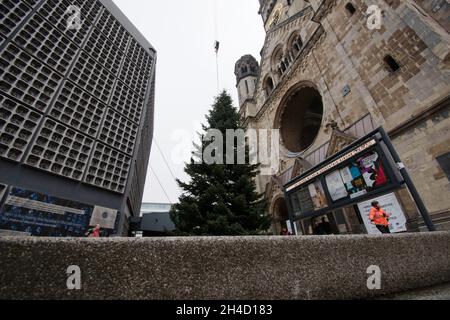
{"x": 43, "y": 215}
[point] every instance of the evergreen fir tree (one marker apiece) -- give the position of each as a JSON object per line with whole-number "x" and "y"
{"x": 220, "y": 199}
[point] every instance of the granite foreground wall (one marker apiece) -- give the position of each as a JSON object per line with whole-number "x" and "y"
{"x": 323, "y": 267}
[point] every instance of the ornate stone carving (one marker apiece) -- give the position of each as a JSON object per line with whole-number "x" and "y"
{"x": 324, "y": 9}
{"x": 300, "y": 166}
{"x": 273, "y": 186}
{"x": 338, "y": 141}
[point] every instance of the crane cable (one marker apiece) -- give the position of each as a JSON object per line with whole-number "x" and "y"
{"x": 216, "y": 47}
{"x": 160, "y": 184}
{"x": 216, "y": 42}
{"x": 167, "y": 163}
{"x": 168, "y": 167}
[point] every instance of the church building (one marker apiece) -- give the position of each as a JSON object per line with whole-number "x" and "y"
{"x": 332, "y": 72}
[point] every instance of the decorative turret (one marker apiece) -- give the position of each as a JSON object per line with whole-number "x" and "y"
{"x": 247, "y": 72}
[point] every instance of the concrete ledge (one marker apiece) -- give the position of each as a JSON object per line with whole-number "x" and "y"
{"x": 322, "y": 267}
{"x": 439, "y": 292}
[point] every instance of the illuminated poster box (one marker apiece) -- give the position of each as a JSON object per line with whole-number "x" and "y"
{"x": 360, "y": 173}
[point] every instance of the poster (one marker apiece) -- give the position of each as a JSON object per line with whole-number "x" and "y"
{"x": 390, "y": 204}
{"x": 301, "y": 202}
{"x": 43, "y": 215}
{"x": 367, "y": 165}
{"x": 336, "y": 186}
{"x": 317, "y": 195}
{"x": 353, "y": 180}
{"x": 372, "y": 170}
{"x": 104, "y": 217}
{"x": 295, "y": 203}
{"x": 358, "y": 178}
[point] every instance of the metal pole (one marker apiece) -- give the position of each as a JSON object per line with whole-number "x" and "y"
{"x": 290, "y": 211}
{"x": 408, "y": 181}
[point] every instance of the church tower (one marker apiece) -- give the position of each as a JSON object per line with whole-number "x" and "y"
{"x": 247, "y": 72}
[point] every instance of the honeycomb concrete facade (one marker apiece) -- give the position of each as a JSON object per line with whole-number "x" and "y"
{"x": 76, "y": 104}
{"x": 396, "y": 76}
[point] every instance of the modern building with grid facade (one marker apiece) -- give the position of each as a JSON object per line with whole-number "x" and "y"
{"x": 76, "y": 116}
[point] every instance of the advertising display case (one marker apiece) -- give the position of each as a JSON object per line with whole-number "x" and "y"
{"x": 359, "y": 172}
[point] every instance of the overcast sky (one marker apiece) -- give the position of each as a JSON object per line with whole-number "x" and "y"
{"x": 183, "y": 32}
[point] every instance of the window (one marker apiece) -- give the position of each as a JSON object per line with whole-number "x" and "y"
{"x": 301, "y": 118}
{"x": 391, "y": 63}
{"x": 297, "y": 44}
{"x": 278, "y": 63}
{"x": 246, "y": 87}
{"x": 287, "y": 63}
{"x": 444, "y": 162}
{"x": 350, "y": 8}
{"x": 269, "y": 85}
{"x": 283, "y": 66}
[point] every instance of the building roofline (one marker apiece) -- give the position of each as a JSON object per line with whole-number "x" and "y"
{"x": 128, "y": 25}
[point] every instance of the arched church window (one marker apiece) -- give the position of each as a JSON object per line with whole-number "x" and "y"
{"x": 350, "y": 8}
{"x": 391, "y": 63}
{"x": 278, "y": 62}
{"x": 269, "y": 85}
{"x": 297, "y": 44}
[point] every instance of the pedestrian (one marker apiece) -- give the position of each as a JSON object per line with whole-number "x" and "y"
{"x": 285, "y": 232}
{"x": 326, "y": 226}
{"x": 318, "y": 228}
{"x": 379, "y": 217}
{"x": 94, "y": 232}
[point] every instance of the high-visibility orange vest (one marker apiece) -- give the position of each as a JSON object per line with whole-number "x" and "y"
{"x": 379, "y": 216}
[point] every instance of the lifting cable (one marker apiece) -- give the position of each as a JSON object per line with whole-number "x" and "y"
{"x": 166, "y": 162}
{"x": 168, "y": 167}
{"x": 160, "y": 184}
{"x": 216, "y": 42}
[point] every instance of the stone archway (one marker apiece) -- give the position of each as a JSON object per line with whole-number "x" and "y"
{"x": 280, "y": 214}
{"x": 299, "y": 117}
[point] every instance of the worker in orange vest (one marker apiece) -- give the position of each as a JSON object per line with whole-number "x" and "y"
{"x": 379, "y": 217}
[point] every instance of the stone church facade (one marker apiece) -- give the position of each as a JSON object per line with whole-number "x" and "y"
{"x": 325, "y": 78}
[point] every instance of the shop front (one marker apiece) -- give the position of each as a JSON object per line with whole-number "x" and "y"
{"x": 335, "y": 196}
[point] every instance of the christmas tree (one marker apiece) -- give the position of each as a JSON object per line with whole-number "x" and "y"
{"x": 220, "y": 198}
